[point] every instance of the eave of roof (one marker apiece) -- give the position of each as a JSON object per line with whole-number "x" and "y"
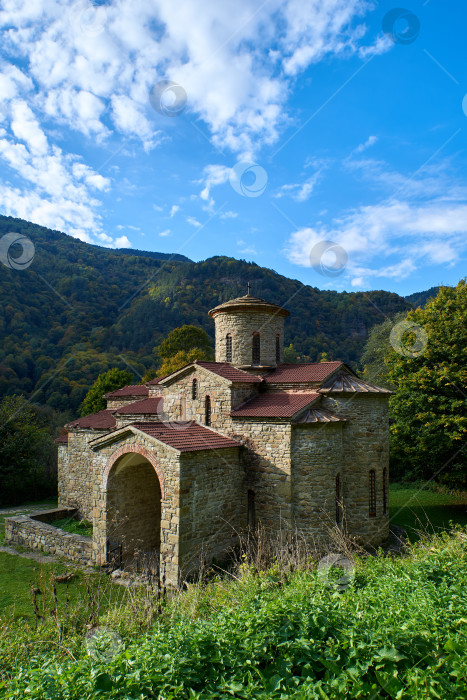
{"x": 224, "y": 370}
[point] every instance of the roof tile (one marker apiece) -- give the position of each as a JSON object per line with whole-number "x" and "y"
{"x": 312, "y": 372}
{"x": 129, "y": 390}
{"x": 224, "y": 369}
{"x": 274, "y": 405}
{"x": 186, "y": 436}
{"x": 102, "y": 420}
{"x": 152, "y": 405}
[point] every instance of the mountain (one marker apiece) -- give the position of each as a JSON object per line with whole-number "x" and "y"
{"x": 148, "y": 254}
{"x": 421, "y": 298}
{"x": 79, "y": 309}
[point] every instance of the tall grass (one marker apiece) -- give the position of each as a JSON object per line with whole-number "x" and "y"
{"x": 271, "y": 625}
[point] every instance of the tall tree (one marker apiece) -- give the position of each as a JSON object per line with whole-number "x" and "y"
{"x": 27, "y": 452}
{"x": 184, "y": 339}
{"x": 108, "y": 381}
{"x": 377, "y": 347}
{"x": 428, "y": 368}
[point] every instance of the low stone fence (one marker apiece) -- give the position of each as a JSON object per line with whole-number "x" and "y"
{"x": 35, "y": 532}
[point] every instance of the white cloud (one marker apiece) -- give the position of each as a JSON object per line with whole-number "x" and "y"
{"x": 122, "y": 242}
{"x": 371, "y": 140}
{"x": 89, "y": 69}
{"x": 228, "y": 215}
{"x": 192, "y": 221}
{"x": 300, "y": 192}
{"x": 175, "y": 208}
{"x": 165, "y": 233}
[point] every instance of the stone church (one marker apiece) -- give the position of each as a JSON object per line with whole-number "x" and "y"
{"x": 178, "y": 466}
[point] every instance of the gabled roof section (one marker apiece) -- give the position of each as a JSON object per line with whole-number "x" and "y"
{"x": 222, "y": 369}
{"x": 128, "y": 390}
{"x": 102, "y": 420}
{"x": 146, "y": 406}
{"x": 62, "y": 439}
{"x": 181, "y": 436}
{"x": 309, "y": 372}
{"x": 349, "y": 383}
{"x": 186, "y": 436}
{"x": 275, "y": 405}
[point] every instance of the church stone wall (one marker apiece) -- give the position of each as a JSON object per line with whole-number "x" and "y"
{"x": 241, "y": 325}
{"x": 366, "y": 446}
{"x": 223, "y": 398}
{"x": 76, "y": 473}
{"x": 213, "y": 505}
{"x": 317, "y": 457}
{"x": 267, "y": 461}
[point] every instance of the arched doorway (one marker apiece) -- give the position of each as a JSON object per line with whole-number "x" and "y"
{"x": 133, "y": 513}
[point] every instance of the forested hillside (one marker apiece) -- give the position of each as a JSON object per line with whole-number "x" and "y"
{"x": 79, "y": 309}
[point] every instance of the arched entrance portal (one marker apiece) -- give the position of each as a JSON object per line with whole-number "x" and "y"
{"x": 133, "y": 512}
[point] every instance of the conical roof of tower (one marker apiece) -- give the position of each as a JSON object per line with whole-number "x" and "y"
{"x": 249, "y": 303}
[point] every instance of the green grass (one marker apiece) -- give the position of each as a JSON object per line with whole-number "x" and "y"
{"x": 421, "y": 509}
{"x": 76, "y": 527}
{"x": 398, "y": 631}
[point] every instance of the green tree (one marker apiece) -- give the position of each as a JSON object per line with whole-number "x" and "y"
{"x": 377, "y": 347}
{"x": 108, "y": 381}
{"x": 290, "y": 354}
{"x": 185, "y": 339}
{"x": 27, "y": 452}
{"x": 180, "y": 359}
{"x": 429, "y": 407}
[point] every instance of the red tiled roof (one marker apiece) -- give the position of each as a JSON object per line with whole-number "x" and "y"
{"x": 156, "y": 380}
{"x": 186, "y": 436}
{"x": 62, "y": 439}
{"x": 223, "y": 369}
{"x": 128, "y": 390}
{"x": 249, "y": 302}
{"x": 152, "y": 405}
{"x": 313, "y": 372}
{"x": 102, "y": 420}
{"x": 274, "y": 405}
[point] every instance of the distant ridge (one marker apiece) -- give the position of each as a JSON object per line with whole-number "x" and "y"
{"x": 422, "y": 298}
{"x": 150, "y": 254}
{"x": 77, "y": 310}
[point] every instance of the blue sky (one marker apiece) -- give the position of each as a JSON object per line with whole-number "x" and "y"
{"x": 345, "y": 120}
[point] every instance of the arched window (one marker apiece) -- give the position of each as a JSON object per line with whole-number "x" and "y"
{"x": 256, "y": 349}
{"x": 278, "y": 348}
{"x": 372, "y": 494}
{"x": 228, "y": 348}
{"x": 251, "y": 510}
{"x": 194, "y": 389}
{"x": 207, "y": 410}
{"x": 385, "y": 490}
{"x": 338, "y": 500}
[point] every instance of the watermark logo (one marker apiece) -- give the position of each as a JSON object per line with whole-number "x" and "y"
{"x": 328, "y": 258}
{"x": 464, "y": 105}
{"x": 10, "y": 244}
{"x": 419, "y": 344}
{"x": 401, "y": 26}
{"x": 168, "y": 98}
{"x": 89, "y": 17}
{"x": 103, "y": 643}
{"x": 337, "y": 562}
{"x": 248, "y": 179}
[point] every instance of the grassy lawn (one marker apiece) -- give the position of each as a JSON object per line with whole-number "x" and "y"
{"x": 18, "y": 575}
{"x": 419, "y": 509}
